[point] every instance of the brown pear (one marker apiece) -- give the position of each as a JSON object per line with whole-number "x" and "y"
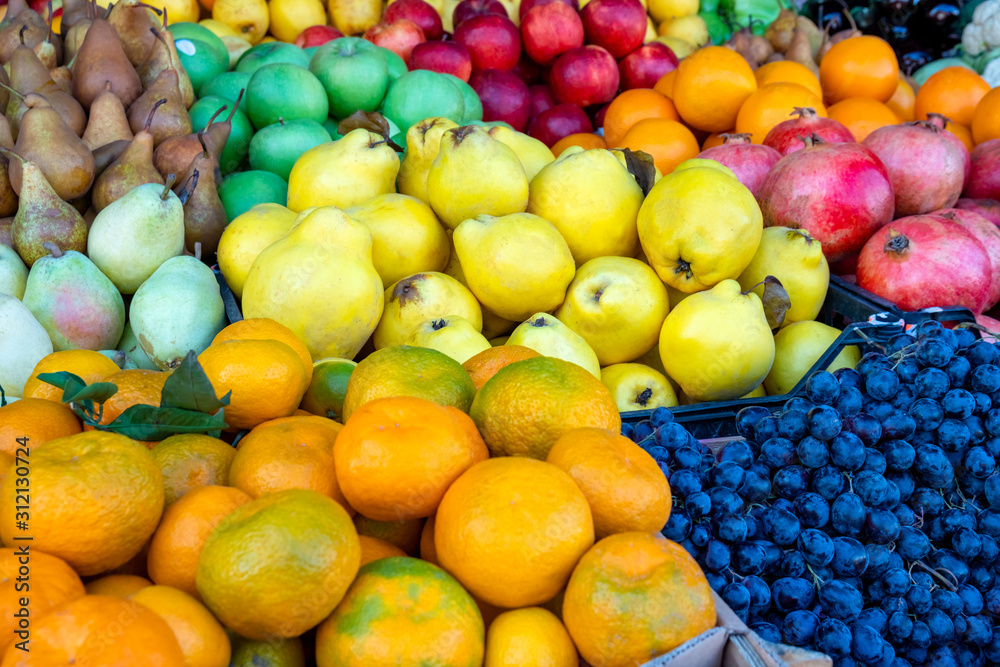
{"x": 42, "y": 215}
{"x": 22, "y": 25}
{"x": 29, "y": 75}
{"x": 74, "y": 13}
{"x": 164, "y": 56}
{"x": 63, "y": 78}
{"x": 4, "y": 92}
{"x": 8, "y": 198}
{"x": 172, "y": 120}
{"x": 107, "y": 154}
{"x": 100, "y": 59}
{"x": 131, "y": 20}
{"x": 73, "y": 38}
{"x": 175, "y": 154}
{"x": 204, "y": 215}
{"x": 6, "y": 238}
{"x": 134, "y": 167}
{"x": 46, "y": 141}
{"x": 107, "y": 122}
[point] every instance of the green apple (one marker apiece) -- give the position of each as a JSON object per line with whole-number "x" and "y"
{"x": 202, "y": 62}
{"x": 397, "y": 67}
{"x": 490, "y": 123}
{"x": 228, "y": 86}
{"x": 285, "y": 91}
{"x": 238, "y": 145}
{"x": 276, "y": 147}
{"x": 473, "y": 105}
{"x": 270, "y": 53}
{"x": 198, "y": 32}
{"x": 331, "y": 125}
{"x": 421, "y": 94}
{"x": 242, "y": 191}
{"x": 354, "y": 74}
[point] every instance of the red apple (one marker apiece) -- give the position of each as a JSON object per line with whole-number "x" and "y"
{"x": 418, "y": 11}
{"x": 527, "y": 5}
{"x": 560, "y": 121}
{"x": 399, "y": 37}
{"x": 550, "y": 30}
{"x": 597, "y": 114}
{"x": 466, "y": 9}
{"x": 493, "y": 41}
{"x": 316, "y": 35}
{"x": 585, "y": 75}
{"x": 643, "y": 67}
{"x": 442, "y": 57}
{"x": 542, "y": 99}
{"x": 527, "y": 69}
{"x": 617, "y": 25}
{"x": 504, "y": 96}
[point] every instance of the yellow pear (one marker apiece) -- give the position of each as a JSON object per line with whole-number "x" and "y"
{"x": 592, "y": 200}
{"x": 652, "y": 359}
{"x": 246, "y": 236}
{"x": 796, "y": 259}
{"x": 343, "y": 173}
{"x": 353, "y": 17}
{"x": 446, "y": 8}
{"x": 698, "y": 227}
{"x": 406, "y": 236}
{"x": 717, "y": 344}
{"x": 549, "y": 337}
{"x": 420, "y": 297}
{"x": 617, "y": 305}
{"x": 797, "y": 348}
{"x": 423, "y": 142}
{"x": 756, "y": 393}
{"x": 474, "y": 174}
{"x": 453, "y": 335}
{"x": 319, "y": 282}
{"x": 515, "y": 264}
{"x": 532, "y": 153}
{"x": 638, "y": 387}
{"x": 493, "y": 324}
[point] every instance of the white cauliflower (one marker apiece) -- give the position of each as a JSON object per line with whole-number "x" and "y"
{"x": 983, "y": 33}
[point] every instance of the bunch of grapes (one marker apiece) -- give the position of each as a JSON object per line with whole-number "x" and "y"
{"x": 863, "y": 520}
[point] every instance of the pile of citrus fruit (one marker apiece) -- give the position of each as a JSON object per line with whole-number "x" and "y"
{"x": 486, "y": 514}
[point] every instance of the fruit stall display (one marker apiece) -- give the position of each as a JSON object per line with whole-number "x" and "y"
{"x": 339, "y": 333}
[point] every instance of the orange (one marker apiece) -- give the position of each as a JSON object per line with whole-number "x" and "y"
{"x": 95, "y": 499}
{"x": 53, "y": 583}
{"x": 952, "y": 92}
{"x": 986, "y": 119}
{"x": 409, "y": 371}
{"x": 668, "y": 141}
{"x": 88, "y": 365}
{"x": 173, "y": 554}
{"x": 903, "y": 100}
{"x": 427, "y": 550}
{"x": 485, "y": 365}
{"x": 773, "y": 104}
{"x": 279, "y": 564}
{"x": 267, "y": 653}
{"x": 962, "y": 132}
{"x": 7, "y": 462}
{"x": 863, "y": 66}
{"x": 99, "y": 630}
{"x": 118, "y": 585}
{"x": 202, "y": 639}
{"x": 529, "y": 636}
{"x": 325, "y": 395}
{"x": 635, "y": 596}
{"x": 396, "y": 457}
{"x": 288, "y": 453}
{"x": 266, "y": 377}
{"x": 528, "y": 405}
{"x": 402, "y": 611}
{"x": 264, "y": 328}
{"x": 372, "y": 549}
{"x": 404, "y": 535}
{"x": 710, "y": 86}
{"x": 862, "y": 115}
{"x": 511, "y": 530}
{"x": 715, "y": 139}
{"x": 37, "y": 419}
{"x": 135, "y": 387}
{"x": 585, "y": 140}
{"x": 190, "y": 460}
{"x": 788, "y": 71}
{"x": 624, "y": 485}
{"x": 632, "y": 106}
{"x": 666, "y": 83}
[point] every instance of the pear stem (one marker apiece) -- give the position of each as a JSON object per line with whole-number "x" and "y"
{"x": 53, "y": 249}
{"x": 171, "y": 179}
{"x": 20, "y": 34}
{"x": 155, "y": 10}
{"x": 152, "y": 112}
{"x": 281, "y": 121}
{"x": 12, "y": 91}
{"x": 204, "y": 146}
{"x": 236, "y": 106}
{"x": 120, "y": 359}
{"x": 48, "y": 38}
{"x": 10, "y": 153}
{"x": 197, "y": 248}
{"x": 216, "y": 115}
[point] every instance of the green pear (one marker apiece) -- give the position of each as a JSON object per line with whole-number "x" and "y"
{"x": 23, "y": 343}
{"x": 453, "y": 335}
{"x": 549, "y": 337}
{"x": 134, "y": 235}
{"x": 76, "y": 304}
{"x": 13, "y": 272}
{"x": 129, "y": 345}
{"x": 178, "y": 309}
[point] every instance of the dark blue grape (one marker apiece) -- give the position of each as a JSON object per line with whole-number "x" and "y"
{"x": 847, "y": 451}
{"x": 923, "y": 580}
{"x": 890, "y": 604}
{"x": 725, "y": 500}
{"x": 874, "y": 461}
{"x": 812, "y": 453}
{"x": 781, "y": 526}
{"x": 983, "y": 402}
{"x": 874, "y": 618}
{"x": 988, "y": 523}
{"x": 747, "y": 419}
{"x": 748, "y": 558}
{"x": 898, "y": 343}
{"x": 989, "y": 551}
{"x": 881, "y": 384}
{"x": 871, "y": 487}
{"x": 792, "y": 565}
{"x": 847, "y": 514}
{"x": 904, "y": 397}
{"x": 933, "y": 352}
{"x": 840, "y": 600}
{"x": 778, "y": 452}
{"x": 760, "y": 593}
{"x": 865, "y": 426}
{"x": 872, "y": 361}
{"x": 850, "y": 559}
{"x": 919, "y": 599}
{"x": 895, "y": 581}
{"x": 881, "y": 526}
{"x": 798, "y": 404}
{"x": 986, "y": 378}
{"x": 767, "y": 631}
{"x": 957, "y": 371}
{"x": 946, "y": 559}
{"x": 904, "y": 515}
{"x": 848, "y": 377}
{"x": 729, "y": 527}
{"x": 684, "y": 483}
{"x": 920, "y": 636}
{"x": 782, "y": 504}
{"x": 772, "y": 554}
{"x": 793, "y": 425}
{"x": 927, "y": 414}
{"x": 898, "y": 426}
{"x": 912, "y": 544}
{"x": 661, "y": 417}
{"x": 981, "y": 352}
{"x": 673, "y": 436}
{"x": 850, "y": 401}
{"x": 698, "y": 505}
{"x": 833, "y": 637}
{"x": 700, "y": 534}
{"x": 963, "y": 338}
{"x": 958, "y": 403}
{"x": 790, "y": 594}
{"x": 716, "y": 580}
{"x": 953, "y": 435}
{"x": 980, "y": 462}
{"x": 942, "y": 656}
{"x": 947, "y": 601}
{"x": 822, "y": 388}
{"x": 628, "y": 430}
{"x": 799, "y": 628}
{"x": 879, "y": 409}
{"x": 812, "y": 509}
{"x": 824, "y": 422}
{"x": 738, "y": 452}
{"x": 904, "y": 482}
{"x": 736, "y": 596}
{"x": 678, "y": 525}
{"x": 828, "y": 482}
{"x": 923, "y": 438}
{"x": 866, "y": 643}
{"x": 717, "y": 556}
{"x": 972, "y": 599}
{"x": 727, "y": 474}
{"x": 687, "y": 458}
{"x": 978, "y": 630}
{"x": 898, "y": 454}
{"x": 992, "y": 421}
{"x": 816, "y": 547}
{"x": 758, "y": 467}
{"x": 766, "y": 429}
{"x": 927, "y": 502}
{"x": 933, "y": 465}
{"x": 790, "y": 482}
{"x": 642, "y": 431}
{"x": 756, "y": 487}
{"x": 977, "y": 430}
{"x": 900, "y": 626}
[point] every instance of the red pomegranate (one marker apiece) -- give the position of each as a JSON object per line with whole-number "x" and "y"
{"x": 992, "y": 328}
{"x": 925, "y": 260}
{"x": 988, "y": 208}
{"x": 941, "y": 122}
{"x": 927, "y": 170}
{"x": 984, "y": 182}
{"x": 750, "y": 162}
{"x": 839, "y": 193}
{"x": 986, "y": 233}
{"x": 789, "y": 136}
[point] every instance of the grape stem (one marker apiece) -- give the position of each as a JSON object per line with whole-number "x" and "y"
{"x": 937, "y": 575}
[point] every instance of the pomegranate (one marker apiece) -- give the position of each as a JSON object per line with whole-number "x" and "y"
{"x": 788, "y": 136}
{"x": 927, "y": 170}
{"x": 926, "y": 260}
{"x": 992, "y": 328}
{"x": 750, "y": 162}
{"x": 987, "y": 234}
{"x": 840, "y": 193}
{"x": 984, "y": 182}
{"x": 941, "y": 122}
{"x": 988, "y": 208}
